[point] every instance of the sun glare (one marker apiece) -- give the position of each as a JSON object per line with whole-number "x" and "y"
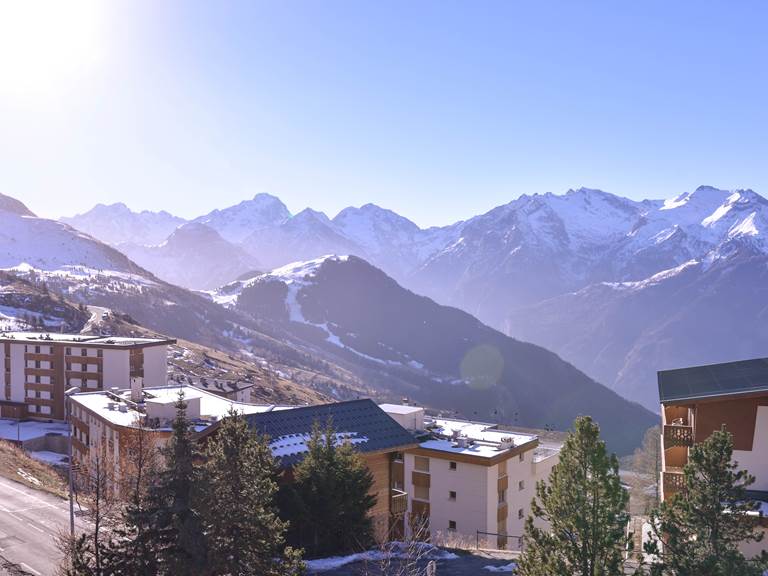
{"x": 46, "y": 46}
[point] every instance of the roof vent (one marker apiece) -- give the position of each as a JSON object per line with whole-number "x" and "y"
{"x": 123, "y": 408}
{"x": 506, "y": 443}
{"x": 111, "y": 405}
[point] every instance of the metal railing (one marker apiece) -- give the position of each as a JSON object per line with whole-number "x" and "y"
{"x": 512, "y": 542}
{"x": 398, "y": 501}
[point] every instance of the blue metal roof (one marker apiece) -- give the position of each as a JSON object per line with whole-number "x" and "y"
{"x": 357, "y": 418}
{"x": 727, "y": 379}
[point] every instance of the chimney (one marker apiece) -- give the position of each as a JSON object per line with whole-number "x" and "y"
{"x": 137, "y": 387}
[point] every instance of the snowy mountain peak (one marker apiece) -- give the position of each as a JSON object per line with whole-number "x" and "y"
{"x": 8, "y": 204}
{"x": 237, "y": 222}
{"x": 117, "y": 223}
{"x": 309, "y": 215}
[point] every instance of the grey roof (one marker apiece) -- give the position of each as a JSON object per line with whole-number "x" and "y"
{"x": 742, "y": 377}
{"x": 360, "y": 418}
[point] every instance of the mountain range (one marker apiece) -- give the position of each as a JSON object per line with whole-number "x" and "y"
{"x": 347, "y": 329}
{"x": 566, "y": 271}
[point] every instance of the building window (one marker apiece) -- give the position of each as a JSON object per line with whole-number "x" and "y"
{"x": 520, "y": 514}
{"x": 452, "y": 495}
{"x": 452, "y": 465}
{"x": 84, "y": 352}
{"x": 69, "y": 351}
{"x": 521, "y": 485}
{"x": 451, "y": 524}
{"x": 502, "y": 496}
{"x": 99, "y": 353}
{"x": 421, "y": 464}
{"x": 421, "y": 492}
{"x": 37, "y": 349}
{"x": 522, "y": 456}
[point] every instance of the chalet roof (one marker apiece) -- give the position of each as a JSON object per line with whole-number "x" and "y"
{"x": 711, "y": 381}
{"x": 360, "y": 422}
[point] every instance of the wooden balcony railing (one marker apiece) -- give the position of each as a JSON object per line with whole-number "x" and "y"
{"x": 677, "y": 436}
{"x": 674, "y": 481}
{"x": 398, "y": 501}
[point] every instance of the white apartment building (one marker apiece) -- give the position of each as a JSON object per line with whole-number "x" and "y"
{"x": 105, "y": 422}
{"x": 37, "y": 368}
{"x": 472, "y": 481}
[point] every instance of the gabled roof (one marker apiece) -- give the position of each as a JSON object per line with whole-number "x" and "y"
{"x": 728, "y": 379}
{"x": 362, "y": 422}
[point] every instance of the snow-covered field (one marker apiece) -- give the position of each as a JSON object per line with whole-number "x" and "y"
{"x": 15, "y": 430}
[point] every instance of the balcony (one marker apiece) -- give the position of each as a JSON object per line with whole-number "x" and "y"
{"x": 398, "y": 501}
{"x": 674, "y": 481}
{"x": 677, "y": 435}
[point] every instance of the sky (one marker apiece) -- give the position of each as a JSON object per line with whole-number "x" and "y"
{"x": 437, "y": 110}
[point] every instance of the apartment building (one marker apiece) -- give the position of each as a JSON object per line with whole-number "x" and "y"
{"x": 697, "y": 401}
{"x": 471, "y": 481}
{"x": 380, "y": 440}
{"x": 38, "y": 368}
{"x": 105, "y": 422}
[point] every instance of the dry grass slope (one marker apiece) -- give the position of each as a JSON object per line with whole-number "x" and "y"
{"x": 16, "y": 465}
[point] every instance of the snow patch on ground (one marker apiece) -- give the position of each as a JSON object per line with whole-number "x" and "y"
{"x": 397, "y": 550}
{"x": 504, "y": 568}
{"x": 13, "y": 429}
{"x": 52, "y": 458}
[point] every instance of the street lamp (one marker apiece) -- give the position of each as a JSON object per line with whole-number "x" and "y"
{"x": 67, "y": 394}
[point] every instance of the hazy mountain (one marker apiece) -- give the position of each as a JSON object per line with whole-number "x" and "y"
{"x": 306, "y": 235}
{"x": 116, "y": 223}
{"x": 194, "y": 256}
{"x": 623, "y": 332}
{"x": 441, "y": 356}
{"x": 237, "y": 222}
{"x": 511, "y": 264}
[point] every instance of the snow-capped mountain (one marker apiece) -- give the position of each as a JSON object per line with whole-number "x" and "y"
{"x": 28, "y": 242}
{"x": 622, "y": 333}
{"x": 194, "y": 256}
{"x": 438, "y": 355}
{"x": 503, "y": 265}
{"x": 540, "y": 246}
{"x": 236, "y": 223}
{"x": 306, "y": 235}
{"x": 116, "y": 223}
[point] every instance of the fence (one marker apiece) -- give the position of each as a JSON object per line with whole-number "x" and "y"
{"x": 503, "y": 541}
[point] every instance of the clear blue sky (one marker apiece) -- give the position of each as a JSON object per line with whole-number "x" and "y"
{"x": 438, "y": 110}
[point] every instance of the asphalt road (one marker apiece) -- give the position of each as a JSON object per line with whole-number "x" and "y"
{"x": 30, "y": 520}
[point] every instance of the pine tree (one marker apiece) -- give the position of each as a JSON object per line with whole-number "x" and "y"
{"x": 329, "y": 500}
{"x": 245, "y": 535}
{"x": 584, "y": 505}
{"x": 701, "y": 527}
{"x": 174, "y": 524}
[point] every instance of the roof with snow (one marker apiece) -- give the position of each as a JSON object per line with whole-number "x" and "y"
{"x": 360, "y": 422}
{"x": 711, "y": 381}
{"x": 83, "y": 339}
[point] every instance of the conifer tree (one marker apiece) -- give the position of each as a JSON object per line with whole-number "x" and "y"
{"x": 245, "y": 534}
{"x": 701, "y": 527}
{"x": 174, "y": 522}
{"x": 584, "y": 505}
{"x": 328, "y": 502}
